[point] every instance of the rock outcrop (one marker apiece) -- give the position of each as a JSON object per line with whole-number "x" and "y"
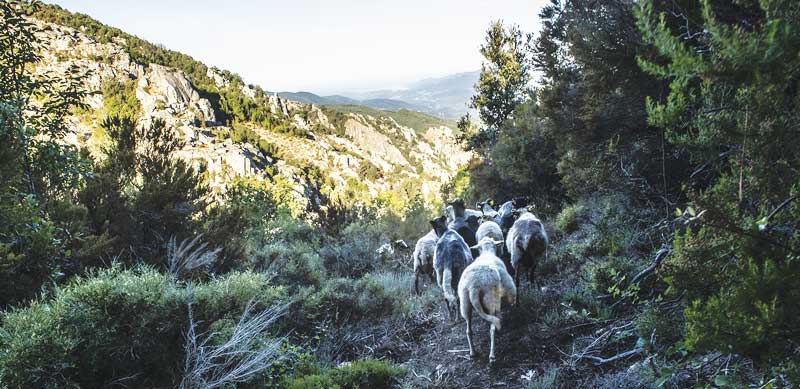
{"x": 427, "y": 158}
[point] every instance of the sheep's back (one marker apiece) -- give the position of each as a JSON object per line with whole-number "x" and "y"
{"x": 490, "y": 229}
{"x": 479, "y": 275}
{"x": 424, "y": 249}
{"x": 528, "y": 235}
{"x": 484, "y": 273}
{"x": 451, "y": 252}
{"x": 466, "y": 227}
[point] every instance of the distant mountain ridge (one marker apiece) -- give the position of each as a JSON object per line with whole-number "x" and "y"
{"x": 444, "y": 97}
{"x": 377, "y": 103}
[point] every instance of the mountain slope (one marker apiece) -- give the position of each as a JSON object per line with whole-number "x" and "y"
{"x": 238, "y": 130}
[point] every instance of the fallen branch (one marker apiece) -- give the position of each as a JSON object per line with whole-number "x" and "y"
{"x": 600, "y": 361}
{"x": 421, "y": 376}
{"x": 660, "y": 255}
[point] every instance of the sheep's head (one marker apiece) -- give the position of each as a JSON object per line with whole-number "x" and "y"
{"x": 485, "y": 206}
{"x": 488, "y": 245}
{"x": 457, "y": 203}
{"x": 439, "y": 225}
{"x": 488, "y": 216}
{"x": 517, "y": 212}
{"x": 458, "y": 207}
{"x": 450, "y": 213}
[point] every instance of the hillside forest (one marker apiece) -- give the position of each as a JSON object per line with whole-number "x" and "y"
{"x": 655, "y": 141}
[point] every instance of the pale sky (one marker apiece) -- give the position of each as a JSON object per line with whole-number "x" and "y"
{"x": 322, "y": 46}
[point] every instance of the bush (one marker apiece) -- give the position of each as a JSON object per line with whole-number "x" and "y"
{"x": 752, "y": 317}
{"x": 368, "y": 373}
{"x": 567, "y": 220}
{"x": 666, "y": 323}
{"x": 610, "y": 275}
{"x": 343, "y": 300}
{"x": 118, "y": 323}
{"x": 119, "y": 99}
{"x": 352, "y": 253}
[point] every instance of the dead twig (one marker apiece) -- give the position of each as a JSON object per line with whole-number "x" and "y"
{"x": 600, "y": 361}
{"x": 421, "y": 376}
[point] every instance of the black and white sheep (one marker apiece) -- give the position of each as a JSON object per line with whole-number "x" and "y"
{"x": 503, "y": 216}
{"x": 484, "y": 285}
{"x": 465, "y": 223}
{"x": 451, "y": 256}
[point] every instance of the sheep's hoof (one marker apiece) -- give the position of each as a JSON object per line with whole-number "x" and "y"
{"x": 471, "y": 354}
{"x": 492, "y": 359}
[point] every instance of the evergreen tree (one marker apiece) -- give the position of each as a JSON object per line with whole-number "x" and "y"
{"x": 733, "y": 105}
{"x": 503, "y": 80}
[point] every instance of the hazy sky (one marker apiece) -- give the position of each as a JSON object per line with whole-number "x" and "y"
{"x": 323, "y": 46}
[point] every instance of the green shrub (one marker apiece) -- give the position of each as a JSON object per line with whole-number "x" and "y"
{"x": 119, "y": 323}
{"x": 119, "y": 99}
{"x": 567, "y": 219}
{"x": 352, "y": 252}
{"x": 343, "y": 299}
{"x": 752, "y": 317}
{"x": 667, "y": 324}
{"x": 368, "y": 373}
{"x": 609, "y": 275}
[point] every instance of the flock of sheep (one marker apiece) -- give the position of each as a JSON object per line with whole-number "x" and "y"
{"x": 484, "y": 281}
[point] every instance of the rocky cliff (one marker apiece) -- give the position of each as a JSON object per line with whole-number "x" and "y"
{"x": 359, "y": 156}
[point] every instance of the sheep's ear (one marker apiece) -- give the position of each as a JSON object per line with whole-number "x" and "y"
{"x": 498, "y": 242}
{"x": 474, "y": 247}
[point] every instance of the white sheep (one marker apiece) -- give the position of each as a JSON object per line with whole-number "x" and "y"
{"x": 526, "y": 242}
{"x": 450, "y": 257}
{"x": 491, "y": 230}
{"x": 484, "y": 285}
{"x": 423, "y": 257}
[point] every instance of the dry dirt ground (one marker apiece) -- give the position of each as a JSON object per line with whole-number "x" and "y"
{"x": 535, "y": 341}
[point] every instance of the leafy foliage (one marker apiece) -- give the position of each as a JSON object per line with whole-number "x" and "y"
{"x": 733, "y": 105}
{"x": 119, "y": 323}
{"x": 37, "y": 171}
{"x": 358, "y": 374}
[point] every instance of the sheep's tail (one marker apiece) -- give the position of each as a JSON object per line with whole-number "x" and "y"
{"x": 475, "y": 299}
{"x": 524, "y": 241}
{"x": 447, "y": 285}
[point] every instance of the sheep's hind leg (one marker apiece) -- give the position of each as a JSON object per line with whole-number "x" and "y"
{"x": 466, "y": 309}
{"x": 491, "y": 344}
